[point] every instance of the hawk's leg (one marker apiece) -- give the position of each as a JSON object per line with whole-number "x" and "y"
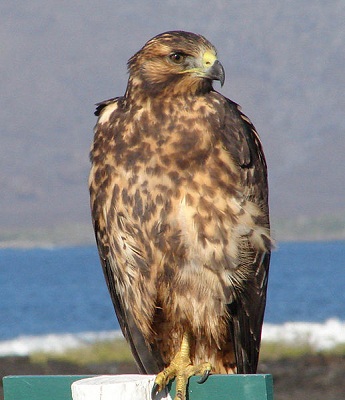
{"x": 182, "y": 369}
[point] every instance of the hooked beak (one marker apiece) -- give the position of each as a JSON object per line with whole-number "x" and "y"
{"x": 216, "y": 72}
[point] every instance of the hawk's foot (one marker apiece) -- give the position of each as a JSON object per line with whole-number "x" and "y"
{"x": 182, "y": 369}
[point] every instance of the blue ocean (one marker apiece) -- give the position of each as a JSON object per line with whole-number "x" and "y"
{"x": 61, "y": 291}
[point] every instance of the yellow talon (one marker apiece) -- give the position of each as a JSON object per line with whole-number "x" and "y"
{"x": 182, "y": 369}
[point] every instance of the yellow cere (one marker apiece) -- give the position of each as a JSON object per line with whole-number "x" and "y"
{"x": 208, "y": 59}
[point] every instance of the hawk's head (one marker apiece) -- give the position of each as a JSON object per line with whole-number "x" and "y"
{"x": 177, "y": 61}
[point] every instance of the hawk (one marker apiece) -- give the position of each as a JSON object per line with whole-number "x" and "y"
{"x": 179, "y": 203}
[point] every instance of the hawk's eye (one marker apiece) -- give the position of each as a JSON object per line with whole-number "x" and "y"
{"x": 177, "y": 57}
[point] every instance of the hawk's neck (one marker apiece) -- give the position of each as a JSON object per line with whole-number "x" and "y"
{"x": 139, "y": 90}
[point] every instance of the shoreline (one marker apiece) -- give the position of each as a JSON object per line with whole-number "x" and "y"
{"x": 294, "y": 337}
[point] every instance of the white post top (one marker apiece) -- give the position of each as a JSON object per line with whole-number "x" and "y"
{"x": 116, "y": 387}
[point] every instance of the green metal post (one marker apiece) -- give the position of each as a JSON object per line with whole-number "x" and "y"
{"x": 219, "y": 387}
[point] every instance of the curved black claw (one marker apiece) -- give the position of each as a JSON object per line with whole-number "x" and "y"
{"x": 154, "y": 391}
{"x": 204, "y": 377}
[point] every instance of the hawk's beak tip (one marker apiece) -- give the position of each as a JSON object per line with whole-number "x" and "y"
{"x": 217, "y": 73}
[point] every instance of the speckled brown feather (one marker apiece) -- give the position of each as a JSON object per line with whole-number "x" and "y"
{"x": 179, "y": 204}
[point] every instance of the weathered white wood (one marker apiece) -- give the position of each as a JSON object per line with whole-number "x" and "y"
{"x": 116, "y": 387}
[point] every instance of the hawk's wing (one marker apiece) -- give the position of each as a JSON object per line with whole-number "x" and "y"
{"x": 247, "y": 310}
{"x": 147, "y": 358}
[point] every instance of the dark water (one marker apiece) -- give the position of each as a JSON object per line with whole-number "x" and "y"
{"x": 63, "y": 289}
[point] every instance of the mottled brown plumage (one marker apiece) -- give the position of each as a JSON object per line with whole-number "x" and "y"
{"x": 179, "y": 204}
